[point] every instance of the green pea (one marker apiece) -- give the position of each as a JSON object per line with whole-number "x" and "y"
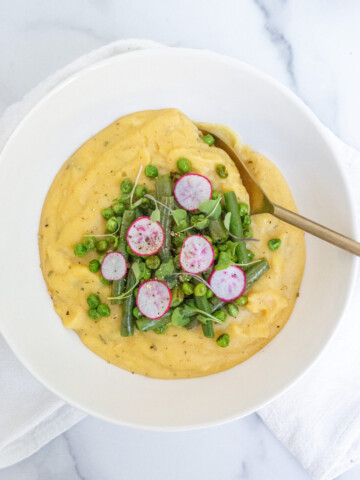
{"x": 136, "y": 291}
{"x": 246, "y": 220}
{"x": 104, "y": 281}
{"x": 136, "y": 312}
{"x": 247, "y": 232}
{"x": 140, "y": 191}
{"x": 94, "y": 314}
{"x": 101, "y": 246}
{"x": 250, "y": 254}
{"x": 243, "y": 209}
{"x": 215, "y": 194}
{"x": 126, "y": 185}
{"x": 129, "y": 251}
{"x": 80, "y": 250}
{"x": 200, "y": 290}
{"x": 224, "y": 340}
{"x": 119, "y": 209}
{"x": 183, "y": 165}
{"x": 216, "y": 252}
{"x": 220, "y": 315}
{"x": 93, "y": 300}
{"x": 242, "y": 300}
{"x": 208, "y": 139}
{"x": 112, "y": 225}
{"x": 209, "y": 293}
{"x": 147, "y": 274}
{"x": 274, "y": 243}
{"x": 151, "y": 171}
{"x": 152, "y": 262}
{"x": 221, "y": 170}
{"x": 94, "y": 266}
{"x": 232, "y": 309}
{"x": 208, "y": 238}
{"x": 107, "y": 213}
{"x": 103, "y": 310}
{"x": 89, "y": 242}
{"x": 188, "y": 288}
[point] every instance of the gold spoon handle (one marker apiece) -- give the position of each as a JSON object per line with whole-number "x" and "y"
{"x": 316, "y": 229}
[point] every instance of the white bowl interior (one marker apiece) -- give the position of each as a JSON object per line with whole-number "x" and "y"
{"x": 207, "y": 87}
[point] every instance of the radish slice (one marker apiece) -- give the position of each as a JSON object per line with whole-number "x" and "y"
{"x": 113, "y": 266}
{"x": 145, "y": 237}
{"x": 196, "y": 255}
{"x": 192, "y": 190}
{"x": 228, "y": 284}
{"x": 153, "y": 299}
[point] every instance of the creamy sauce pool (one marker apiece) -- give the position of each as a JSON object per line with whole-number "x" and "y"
{"x": 87, "y": 183}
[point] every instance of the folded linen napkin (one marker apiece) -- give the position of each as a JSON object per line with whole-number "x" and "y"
{"x": 318, "y": 419}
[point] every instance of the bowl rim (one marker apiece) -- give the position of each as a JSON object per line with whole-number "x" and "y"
{"x": 321, "y": 131}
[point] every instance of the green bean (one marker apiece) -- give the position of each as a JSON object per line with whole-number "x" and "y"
{"x": 203, "y": 304}
{"x": 164, "y": 195}
{"x": 254, "y": 272}
{"x": 177, "y": 295}
{"x": 218, "y": 231}
{"x": 194, "y": 322}
{"x": 236, "y": 225}
{"x": 118, "y": 285}
{"x": 151, "y": 171}
{"x": 127, "y": 317}
{"x": 145, "y": 324}
{"x": 163, "y": 186}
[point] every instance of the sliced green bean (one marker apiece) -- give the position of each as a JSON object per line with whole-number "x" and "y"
{"x": 118, "y": 285}
{"x": 127, "y": 317}
{"x": 145, "y": 324}
{"x": 254, "y": 272}
{"x": 164, "y": 195}
{"x": 203, "y": 304}
{"x": 163, "y": 186}
{"x": 236, "y": 225}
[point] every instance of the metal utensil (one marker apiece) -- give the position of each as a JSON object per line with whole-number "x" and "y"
{"x": 260, "y": 203}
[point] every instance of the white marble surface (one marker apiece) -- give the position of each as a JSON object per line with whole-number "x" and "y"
{"x": 313, "y": 47}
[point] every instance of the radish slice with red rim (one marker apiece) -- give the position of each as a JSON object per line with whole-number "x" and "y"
{"x": 153, "y": 299}
{"x": 228, "y": 284}
{"x": 145, "y": 237}
{"x": 113, "y": 266}
{"x": 192, "y": 190}
{"x": 196, "y": 255}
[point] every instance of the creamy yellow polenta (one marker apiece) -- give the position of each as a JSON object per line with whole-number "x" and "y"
{"x": 87, "y": 183}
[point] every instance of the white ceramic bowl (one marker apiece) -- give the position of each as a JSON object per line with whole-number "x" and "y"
{"x": 207, "y": 87}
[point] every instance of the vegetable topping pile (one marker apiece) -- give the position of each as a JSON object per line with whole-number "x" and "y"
{"x": 176, "y": 256}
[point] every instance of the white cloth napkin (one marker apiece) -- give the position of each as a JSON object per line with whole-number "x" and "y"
{"x": 318, "y": 420}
